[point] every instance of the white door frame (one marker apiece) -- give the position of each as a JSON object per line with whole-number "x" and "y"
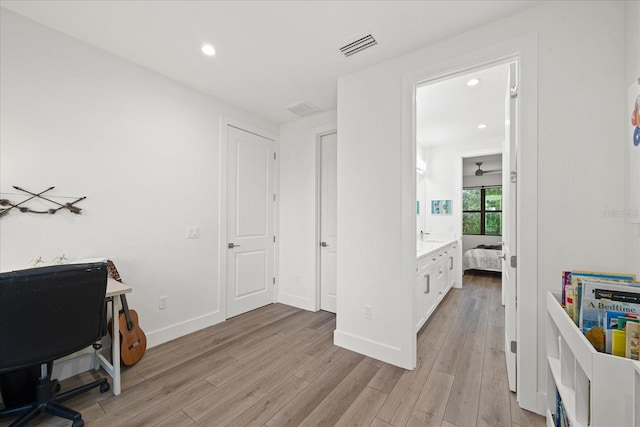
{"x": 525, "y": 49}
{"x": 320, "y": 132}
{"x": 222, "y": 206}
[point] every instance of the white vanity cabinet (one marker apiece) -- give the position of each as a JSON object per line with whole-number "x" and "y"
{"x": 451, "y": 258}
{"x": 426, "y": 291}
{"x": 435, "y": 274}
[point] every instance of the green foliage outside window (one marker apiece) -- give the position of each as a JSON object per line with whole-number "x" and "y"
{"x": 482, "y": 211}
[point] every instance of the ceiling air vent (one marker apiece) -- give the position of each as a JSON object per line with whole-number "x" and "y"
{"x": 359, "y": 44}
{"x": 303, "y": 108}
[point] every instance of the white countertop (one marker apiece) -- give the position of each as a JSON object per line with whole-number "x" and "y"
{"x": 427, "y": 246}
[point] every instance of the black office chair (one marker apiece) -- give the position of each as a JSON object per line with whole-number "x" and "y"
{"x": 47, "y": 313}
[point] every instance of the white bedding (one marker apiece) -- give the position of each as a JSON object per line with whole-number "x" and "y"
{"x": 482, "y": 259}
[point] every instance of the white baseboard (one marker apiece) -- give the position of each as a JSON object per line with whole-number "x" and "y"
{"x": 84, "y": 360}
{"x": 296, "y": 301}
{"x": 178, "y": 330}
{"x": 374, "y": 349}
{"x": 78, "y": 362}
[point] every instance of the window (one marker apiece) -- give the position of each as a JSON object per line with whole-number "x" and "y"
{"x": 482, "y": 211}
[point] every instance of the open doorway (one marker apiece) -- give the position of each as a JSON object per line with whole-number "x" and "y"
{"x": 482, "y": 212}
{"x": 466, "y": 117}
{"x": 461, "y": 116}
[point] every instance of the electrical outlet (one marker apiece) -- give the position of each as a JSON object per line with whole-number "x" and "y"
{"x": 368, "y": 312}
{"x": 193, "y": 232}
{"x": 162, "y": 303}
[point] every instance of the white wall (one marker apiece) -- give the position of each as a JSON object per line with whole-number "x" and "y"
{"x": 142, "y": 148}
{"x": 579, "y": 91}
{"x": 632, "y": 73}
{"x": 444, "y": 179}
{"x": 298, "y": 208}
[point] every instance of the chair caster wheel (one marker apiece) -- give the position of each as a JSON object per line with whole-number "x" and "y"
{"x": 56, "y": 388}
{"x": 78, "y": 423}
{"x": 104, "y": 387}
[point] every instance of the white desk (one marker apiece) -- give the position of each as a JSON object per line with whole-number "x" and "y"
{"x": 114, "y": 290}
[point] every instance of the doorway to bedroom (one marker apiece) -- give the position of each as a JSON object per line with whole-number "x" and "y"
{"x": 465, "y": 138}
{"x": 482, "y": 215}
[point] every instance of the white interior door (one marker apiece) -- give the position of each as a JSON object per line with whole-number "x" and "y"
{"x": 250, "y": 221}
{"x": 328, "y": 221}
{"x": 509, "y": 177}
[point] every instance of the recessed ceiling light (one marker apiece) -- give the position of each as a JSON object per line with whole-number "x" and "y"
{"x": 473, "y": 82}
{"x": 482, "y": 126}
{"x": 208, "y": 50}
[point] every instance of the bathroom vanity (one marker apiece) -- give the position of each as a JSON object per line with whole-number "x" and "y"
{"x": 436, "y": 267}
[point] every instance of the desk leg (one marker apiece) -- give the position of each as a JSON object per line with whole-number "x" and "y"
{"x": 115, "y": 344}
{"x": 112, "y": 367}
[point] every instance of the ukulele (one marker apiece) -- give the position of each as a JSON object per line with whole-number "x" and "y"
{"x": 133, "y": 341}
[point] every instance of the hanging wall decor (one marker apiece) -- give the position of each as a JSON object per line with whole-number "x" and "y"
{"x": 8, "y": 205}
{"x": 441, "y": 207}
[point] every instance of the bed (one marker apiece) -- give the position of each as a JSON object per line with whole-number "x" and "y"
{"x": 485, "y": 258}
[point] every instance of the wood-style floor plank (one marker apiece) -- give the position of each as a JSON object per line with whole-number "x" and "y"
{"x": 494, "y": 409}
{"x": 329, "y": 411}
{"x": 268, "y": 406}
{"x": 303, "y": 404}
{"x": 398, "y": 406}
{"x": 178, "y": 419}
{"x": 277, "y": 366}
{"x": 386, "y": 378}
{"x": 430, "y": 406}
{"x": 363, "y": 410}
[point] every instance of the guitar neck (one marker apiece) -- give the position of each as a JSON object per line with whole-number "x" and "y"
{"x": 127, "y": 313}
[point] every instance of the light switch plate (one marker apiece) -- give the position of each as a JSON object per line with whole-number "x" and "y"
{"x": 193, "y": 232}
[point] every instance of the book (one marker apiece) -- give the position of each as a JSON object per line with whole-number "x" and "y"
{"x": 612, "y": 322}
{"x": 633, "y": 297}
{"x": 616, "y": 291}
{"x": 618, "y": 342}
{"x": 606, "y": 289}
{"x": 566, "y": 282}
{"x": 623, "y": 320}
{"x": 633, "y": 341}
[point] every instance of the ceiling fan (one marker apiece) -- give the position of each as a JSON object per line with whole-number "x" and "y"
{"x": 481, "y": 172}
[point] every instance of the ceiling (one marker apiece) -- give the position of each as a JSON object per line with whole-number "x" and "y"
{"x": 450, "y": 111}
{"x": 270, "y": 54}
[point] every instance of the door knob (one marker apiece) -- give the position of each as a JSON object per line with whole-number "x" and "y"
{"x": 232, "y": 245}
{"x": 503, "y": 256}
{"x": 324, "y": 244}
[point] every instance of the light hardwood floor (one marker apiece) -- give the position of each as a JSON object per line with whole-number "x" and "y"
{"x": 277, "y": 366}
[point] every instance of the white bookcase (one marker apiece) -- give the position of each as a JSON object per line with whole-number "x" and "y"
{"x": 597, "y": 389}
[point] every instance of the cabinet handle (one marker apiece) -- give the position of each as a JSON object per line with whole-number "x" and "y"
{"x": 428, "y": 288}
{"x": 451, "y": 267}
